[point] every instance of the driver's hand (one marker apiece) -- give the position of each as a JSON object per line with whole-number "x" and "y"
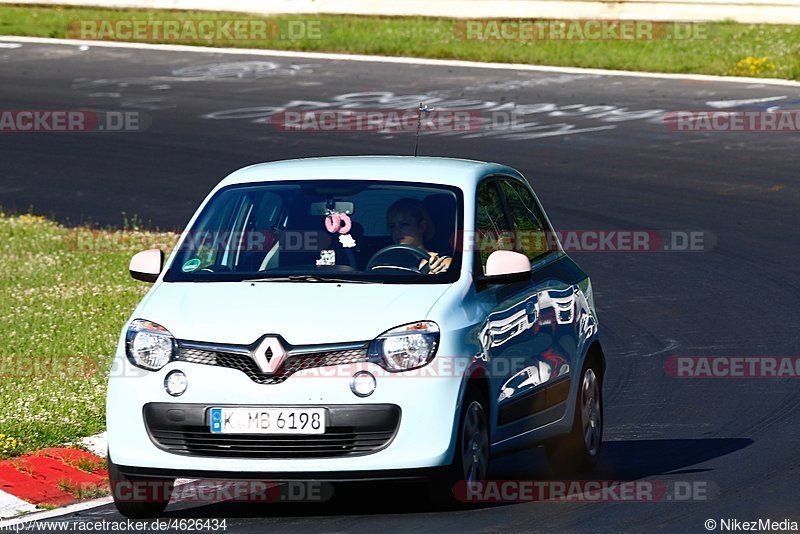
{"x": 438, "y": 264}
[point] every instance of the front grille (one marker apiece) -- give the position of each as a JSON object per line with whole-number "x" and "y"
{"x": 236, "y": 446}
{"x": 353, "y": 430}
{"x": 294, "y": 362}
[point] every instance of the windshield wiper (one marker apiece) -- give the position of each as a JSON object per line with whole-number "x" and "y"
{"x": 311, "y": 278}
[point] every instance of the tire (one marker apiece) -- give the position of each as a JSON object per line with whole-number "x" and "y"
{"x": 578, "y": 451}
{"x": 473, "y": 435}
{"x": 139, "y": 498}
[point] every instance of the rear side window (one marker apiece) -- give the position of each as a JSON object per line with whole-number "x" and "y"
{"x": 529, "y": 227}
{"x": 493, "y": 229}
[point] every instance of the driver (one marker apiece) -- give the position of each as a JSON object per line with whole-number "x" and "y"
{"x": 409, "y": 224}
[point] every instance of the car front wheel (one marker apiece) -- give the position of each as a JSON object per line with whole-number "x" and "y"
{"x": 471, "y": 459}
{"x": 578, "y": 451}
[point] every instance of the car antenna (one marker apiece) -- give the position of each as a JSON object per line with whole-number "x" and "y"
{"x": 423, "y": 108}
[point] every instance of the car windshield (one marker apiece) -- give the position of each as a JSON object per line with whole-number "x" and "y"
{"x": 324, "y": 230}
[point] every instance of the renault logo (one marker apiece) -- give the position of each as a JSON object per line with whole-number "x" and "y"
{"x": 269, "y": 355}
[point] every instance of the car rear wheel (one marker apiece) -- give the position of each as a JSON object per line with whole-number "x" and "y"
{"x": 471, "y": 459}
{"x": 138, "y": 498}
{"x": 578, "y": 451}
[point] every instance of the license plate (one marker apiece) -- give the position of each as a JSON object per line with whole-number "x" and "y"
{"x": 268, "y": 420}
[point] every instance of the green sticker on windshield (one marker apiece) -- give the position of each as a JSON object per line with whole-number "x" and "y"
{"x": 191, "y": 265}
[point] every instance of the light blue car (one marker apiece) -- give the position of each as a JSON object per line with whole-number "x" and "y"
{"x": 353, "y": 318}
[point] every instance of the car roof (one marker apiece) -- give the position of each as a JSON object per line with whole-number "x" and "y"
{"x": 462, "y": 173}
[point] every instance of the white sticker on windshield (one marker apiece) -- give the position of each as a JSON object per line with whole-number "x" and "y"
{"x": 347, "y": 240}
{"x": 327, "y": 257}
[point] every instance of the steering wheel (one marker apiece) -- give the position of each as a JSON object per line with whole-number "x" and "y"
{"x": 417, "y": 254}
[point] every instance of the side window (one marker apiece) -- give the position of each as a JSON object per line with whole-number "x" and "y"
{"x": 211, "y": 246}
{"x": 235, "y": 240}
{"x": 267, "y": 212}
{"x": 529, "y": 227}
{"x": 246, "y": 230}
{"x": 259, "y": 247}
{"x": 492, "y": 229}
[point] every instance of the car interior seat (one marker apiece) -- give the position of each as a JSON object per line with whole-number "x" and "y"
{"x": 441, "y": 208}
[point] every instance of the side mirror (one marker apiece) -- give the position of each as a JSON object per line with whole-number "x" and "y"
{"x": 507, "y": 267}
{"x": 146, "y": 265}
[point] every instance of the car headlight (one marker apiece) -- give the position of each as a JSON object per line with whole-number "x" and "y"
{"x": 149, "y": 345}
{"x": 406, "y": 347}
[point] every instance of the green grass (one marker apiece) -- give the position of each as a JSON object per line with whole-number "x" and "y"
{"x": 729, "y": 49}
{"x": 90, "y": 465}
{"x": 84, "y": 491}
{"x": 65, "y": 296}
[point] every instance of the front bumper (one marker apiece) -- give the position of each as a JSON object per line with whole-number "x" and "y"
{"x": 426, "y": 473}
{"x": 428, "y": 406}
{"x": 351, "y": 430}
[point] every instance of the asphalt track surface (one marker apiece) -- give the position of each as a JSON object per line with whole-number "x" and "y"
{"x": 625, "y": 171}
